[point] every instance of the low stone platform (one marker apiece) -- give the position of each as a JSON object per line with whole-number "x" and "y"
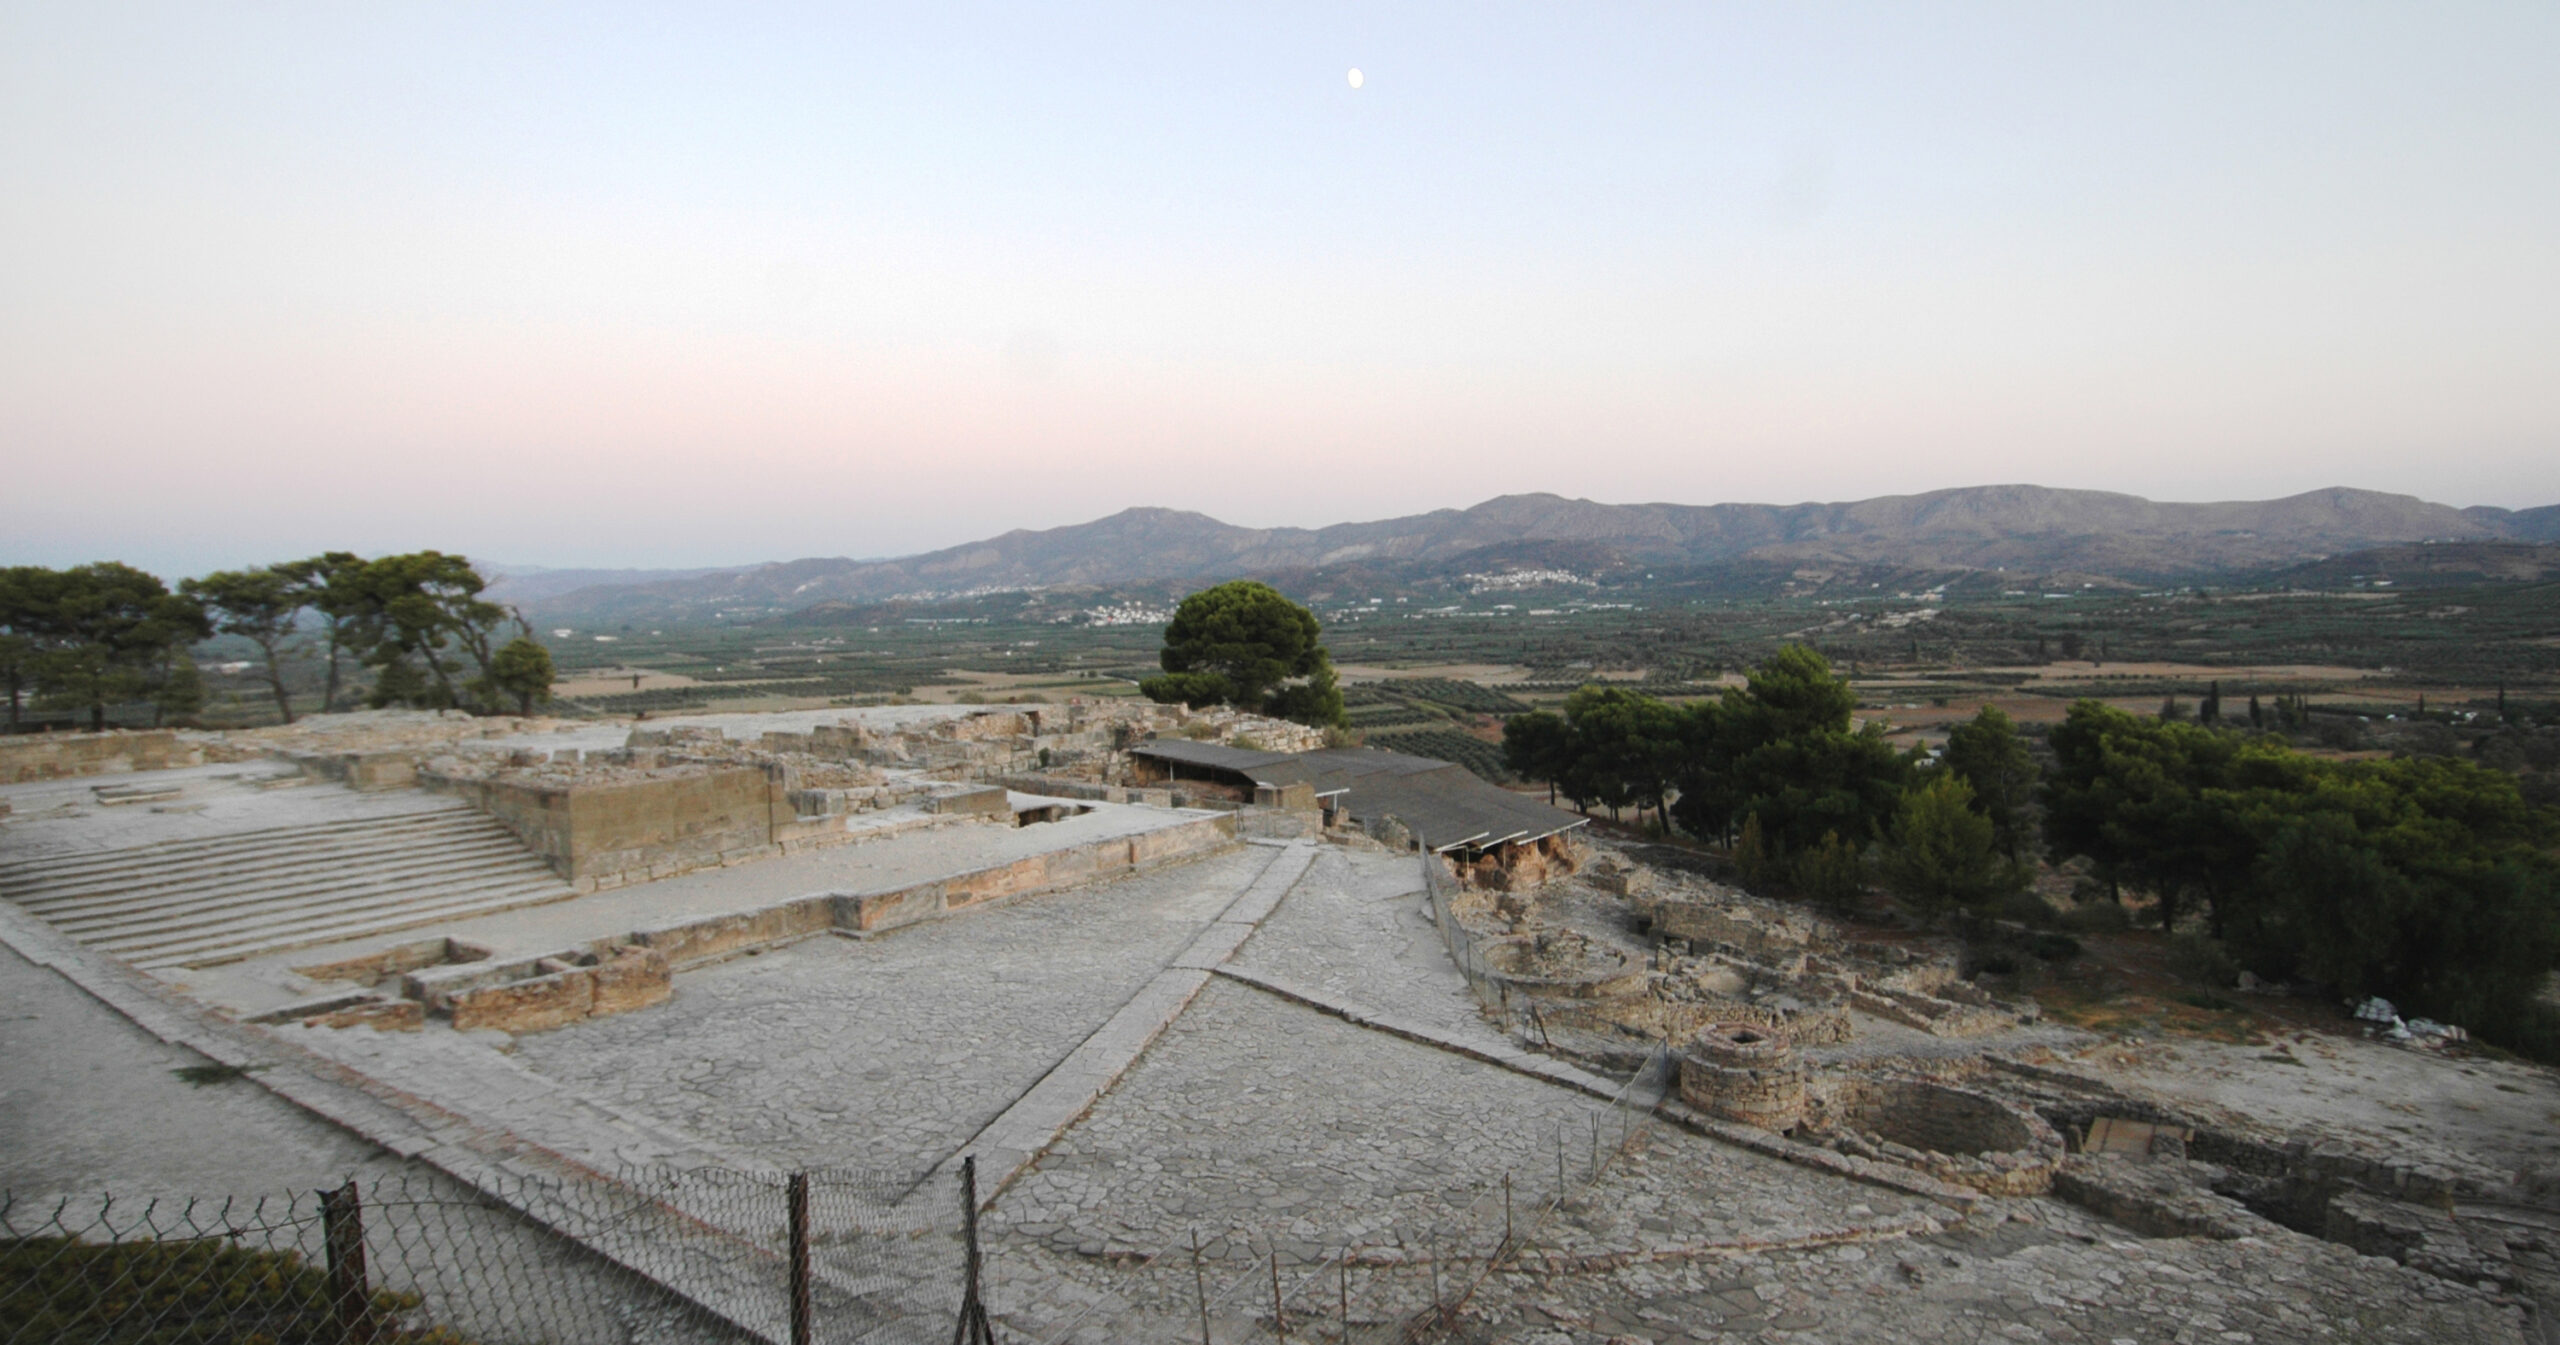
{"x": 717, "y": 913}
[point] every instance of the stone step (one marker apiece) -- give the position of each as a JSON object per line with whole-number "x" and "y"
{"x": 265, "y": 840}
{"x": 214, "y": 899}
{"x": 214, "y": 952}
{"x": 178, "y": 911}
{"x": 327, "y": 926}
{"x": 170, "y": 887}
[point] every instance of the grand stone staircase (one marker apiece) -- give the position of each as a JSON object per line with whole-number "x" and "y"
{"x": 199, "y": 902}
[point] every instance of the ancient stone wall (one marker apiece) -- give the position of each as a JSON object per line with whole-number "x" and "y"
{"x": 561, "y": 991}
{"x": 610, "y": 833}
{"x": 1954, "y": 1134}
{"x": 63, "y": 756}
{"x": 1743, "y": 1072}
{"x": 361, "y": 771}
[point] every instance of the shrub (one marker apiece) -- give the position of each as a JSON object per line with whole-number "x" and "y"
{"x": 2027, "y": 908}
{"x": 1943, "y": 854}
{"x": 1751, "y": 858}
{"x": 2054, "y": 947}
{"x": 1834, "y": 872}
{"x": 2200, "y": 959}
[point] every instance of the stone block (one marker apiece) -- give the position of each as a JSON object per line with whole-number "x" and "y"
{"x": 536, "y": 1004}
{"x": 986, "y": 801}
{"x": 385, "y": 1015}
{"x": 60, "y": 756}
{"x": 634, "y": 978}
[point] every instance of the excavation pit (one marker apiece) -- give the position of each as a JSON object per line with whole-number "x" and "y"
{"x": 1954, "y": 1134}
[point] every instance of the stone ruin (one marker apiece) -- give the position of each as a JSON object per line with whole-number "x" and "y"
{"x": 1758, "y": 1004}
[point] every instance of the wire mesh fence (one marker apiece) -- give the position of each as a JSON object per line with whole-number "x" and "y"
{"x": 1465, "y": 946}
{"x": 1240, "y": 1284}
{"x": 673, "y": 1255}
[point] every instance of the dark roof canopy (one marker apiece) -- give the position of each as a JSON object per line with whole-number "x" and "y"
{"x": 1442, "y": 802}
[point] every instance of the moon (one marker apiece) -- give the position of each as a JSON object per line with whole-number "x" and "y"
{"x": 1357, "y": 79}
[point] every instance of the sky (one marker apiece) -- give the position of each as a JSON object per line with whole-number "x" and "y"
{"x": 653, "y": 285}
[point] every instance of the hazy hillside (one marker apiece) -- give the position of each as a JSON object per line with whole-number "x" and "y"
{"x": 2028, "y": 529}
{"x": 2429, "y": 566}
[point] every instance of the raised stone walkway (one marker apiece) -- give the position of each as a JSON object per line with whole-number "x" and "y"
{"x": 1010, "y": 1143}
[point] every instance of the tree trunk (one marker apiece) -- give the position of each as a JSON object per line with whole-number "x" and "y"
{"x": 275, "y": 679}
{"x": 329, "y": 698}
{"x": 445, "y": 683}
{"x": 97, "y": 716}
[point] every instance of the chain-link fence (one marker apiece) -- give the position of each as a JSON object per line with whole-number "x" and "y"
{"x": 1246, "y": 1285}
{"x": 1466, "y": 948}
{"x": 413, "y": 1259}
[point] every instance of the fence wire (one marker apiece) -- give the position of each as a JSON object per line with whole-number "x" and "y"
{"x": 1466, "y": 948}
{"x": 1405, "y": 1286}
{"x": 1252, "y": 1285}
{"x": 678, "y": 1256}
{"x": 666, "y": 1255}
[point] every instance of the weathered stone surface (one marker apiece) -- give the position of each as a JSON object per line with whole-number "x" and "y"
{"x": 536, "y": 1004}
{"x": 59, "y": 756}
{"x": 634, "y": 978}
{"x": 385, "y": 1015}
{"x": 984, "y": 802}
{"x": 599, "y": 834}
{"x": 1744, "y": 1072}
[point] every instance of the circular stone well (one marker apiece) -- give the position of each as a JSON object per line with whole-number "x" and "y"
{"x": 1955, "y": 1134}
{"x": 1744, "y": 1072}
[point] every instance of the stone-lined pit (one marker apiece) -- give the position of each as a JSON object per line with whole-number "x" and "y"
{"x": 1954, "y": 1134}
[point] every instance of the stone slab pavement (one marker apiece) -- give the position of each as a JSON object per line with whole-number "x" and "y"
{"x": 1011, "y": 1141}
{"x": 1271, "y": 1128}
{"x": 893, "y": 1052}
{"x": 1359, "y": 932}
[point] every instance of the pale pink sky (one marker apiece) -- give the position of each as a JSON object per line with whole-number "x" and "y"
{"x": 727, "y": 284}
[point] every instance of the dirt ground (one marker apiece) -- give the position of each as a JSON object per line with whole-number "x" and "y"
{"x": 606, "y": 681}
{"x": 2503, "y": 1113}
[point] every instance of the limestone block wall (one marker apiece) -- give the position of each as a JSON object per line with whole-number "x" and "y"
{"x": 1036, "y": 873}
{"x": 62, "y": 756}
{"x": 1744, "y": 1072}
{"x": 607, "y": 834}
{"x": 557, "y": 991}
{"x": 361, "y": 771}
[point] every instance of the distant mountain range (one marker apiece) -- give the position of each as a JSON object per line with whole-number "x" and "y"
{"x": 2047, "y": 535}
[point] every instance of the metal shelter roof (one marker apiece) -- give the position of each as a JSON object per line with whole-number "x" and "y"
{"x": 1442, "y": 802}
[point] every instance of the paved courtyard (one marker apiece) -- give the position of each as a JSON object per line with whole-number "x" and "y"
{"x": 892, "y": 1052}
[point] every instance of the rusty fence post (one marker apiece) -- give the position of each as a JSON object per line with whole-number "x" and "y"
{"x": 342, "y": 1232}
{"x": 1279, "y": 1319}
{"x": 1199, "y": 1285}
{"x": 803, "y": 1323}
{"x": 973, "y": 1327}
